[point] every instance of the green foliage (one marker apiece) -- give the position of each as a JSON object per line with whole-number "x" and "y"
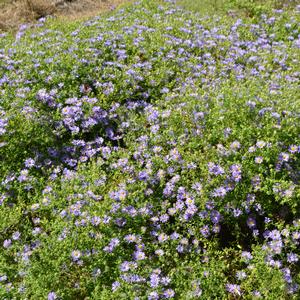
{"x": 152, "y": 153}
{"x": 245, "y": 8}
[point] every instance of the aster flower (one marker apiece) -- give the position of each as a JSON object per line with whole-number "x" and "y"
{"x": 95, "y": 221}
{"x": 251, "y": 222}
{"x": 235, "y": 145}
{"x": 284, "y": 157}
{"x": 215, "y": 169}
{"x": 296, "y": 235}
{"x": 7, "y": 243}
{"x": 139, "y": 255}
{"x": 205, "y": 231}
{"x": 154, "y": 280}
{"x": 125, "y": 266}
{"x": 130, "y": 238}
{"x": 251, "y": 149}
{"x": 256, "y": 294}
{"x": 52, "y": 296}
{"x": 234, "y": 289}
{"x": 76, "y": 254}
{"x": 153, "y": 296}
{"x": 16, "y": 235}
{"x": 168, "y": 293}
{"x": 258, "y": 159}
{"x": 247, "y": 256}
{"x": 29, "y": 163}
{"x": 96, "y": 272}
{"x": 260, "y": 144}
{"x": 159, "y": 252}
{"x": 292, "y": 257}
{"x": 215, "y": 216}
{"x": 294, "y": 149}
{"x": 240, "y": 275}
{"x": 115, "y": 286}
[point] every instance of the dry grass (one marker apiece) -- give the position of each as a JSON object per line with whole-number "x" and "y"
{"x": 80, "y": 9}
{"x": 40, "y": 8}
{"x": 13, "y": 13}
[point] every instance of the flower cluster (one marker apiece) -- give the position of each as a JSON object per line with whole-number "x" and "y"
{"x": 151, "y": 154}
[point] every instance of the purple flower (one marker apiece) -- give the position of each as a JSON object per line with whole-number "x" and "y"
{"x": 130, "y": 238}
{"x": 258, "y": 159}
{"x": 205, "y": 231}
{"x": 235, "y": 145}
{"x": 215, "y": 169}
{"x": 227, "y": 132}
{"x": 274, "y": 234}
{"x": 112, "y": 245}
{"x": 169, "y": 293}
{"x": 164, "y": 218}
{"x": 236, "y": 172}
{"x": 276, "y": 246}
{"x": 260, "y": 144}
{"x": 162, "y": 238}
{"x": 159, "y": 252}
{"x": 284, "y": 157}
{"x": 95, "y": 220}
{"x": 256, "y": 294}
{"x": 174, "y": 236}
{"x": 233, "y": 289}
{"x": 296, "y": 235}
{"x": 125, "y": 266}
{"x": 180, "y": 249}
{"x": 237, "y": 212}
{"x": 219, "y": 192}
{"x": 247, "y": 256}
{"x": 7, "y": 243}
{"x": 293, "y": 287}
{"x": 251, "y": 149}
{"x": 197, "y": 187}
{"x": 215, "y": 216}
{"x": 287, "y": 275}
{"x": 240, "y": 275}
{"x": 153, "y": 296}
{"x": 52, "y": 296}
{"x": 165, "y": 281}
{"x": 152, "y": 114}
{"x": 294, "y": 149}
{"x": 154, "y": 280}
{"x": 115, "y": 286}
{"x": 251, "y": 222}
{"x": 175, "y": 155}
{"x": 16, "y": 235}
{"x": 292, "y": 257}
{"x": 143, "y": 176}
{"x": 29, "y": 163}
{"x": 76, "y": 254}
{"x": 139, "y": 255}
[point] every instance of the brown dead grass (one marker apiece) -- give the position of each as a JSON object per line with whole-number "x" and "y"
{"x": 13, "y": 13}
{"x": 80, "y": 9}
{"x": 40, "y": 8}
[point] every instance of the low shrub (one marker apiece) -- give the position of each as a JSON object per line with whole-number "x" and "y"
{"x": 151, "y": 153}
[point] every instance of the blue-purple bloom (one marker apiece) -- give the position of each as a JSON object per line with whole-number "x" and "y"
{"x": 52, "y": 296}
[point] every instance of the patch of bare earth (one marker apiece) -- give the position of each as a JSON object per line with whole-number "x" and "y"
{"x": 13, "y": 13}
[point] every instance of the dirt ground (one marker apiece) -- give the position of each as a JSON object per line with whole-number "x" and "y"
{"x": 13, "y": 13}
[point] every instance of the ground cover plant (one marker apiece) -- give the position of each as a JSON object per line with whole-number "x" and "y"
{"x": 151, "y": 153}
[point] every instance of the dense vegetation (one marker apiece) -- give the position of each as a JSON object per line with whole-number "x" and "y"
{"x": 151, "y": 153}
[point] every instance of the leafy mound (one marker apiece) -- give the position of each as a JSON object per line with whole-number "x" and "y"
{"x": 151, "y": 154}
